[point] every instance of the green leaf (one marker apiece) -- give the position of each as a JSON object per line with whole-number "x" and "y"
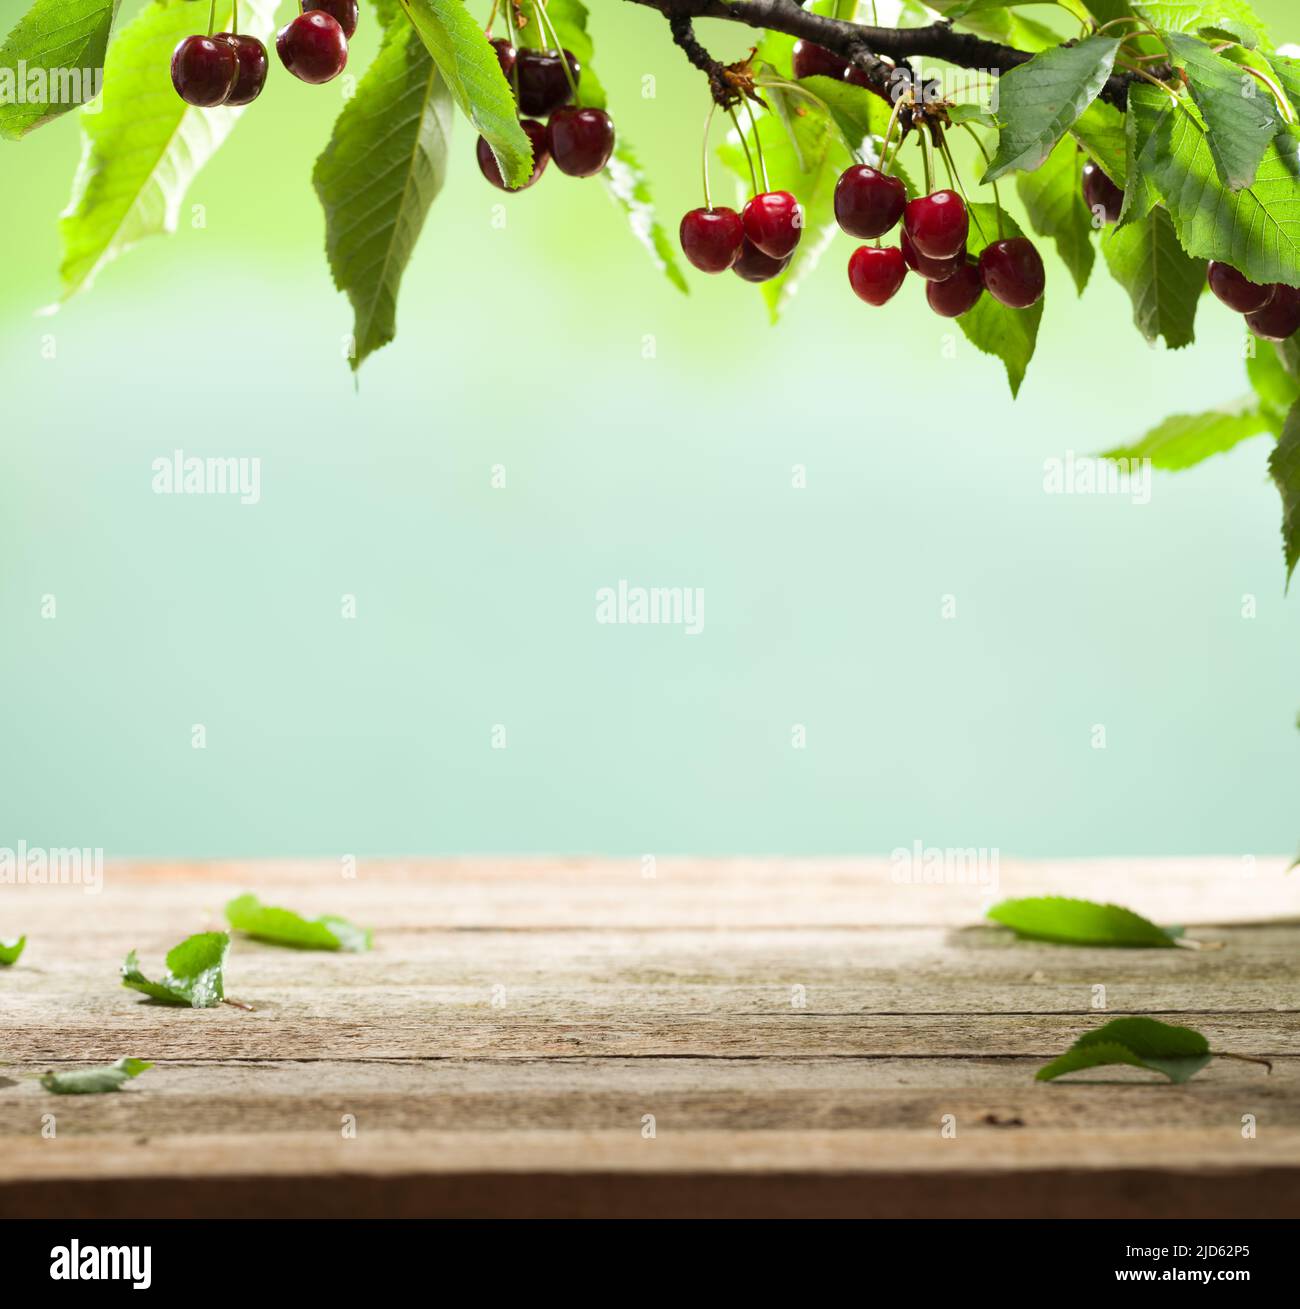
{"x": 977, "y": 115}
{"x": 94, "y": 1081}
{"x": 1079, "y": 922}
{"x": 1039, "y": 101}
{"x": 62, "y": 43}
{"x": 1186, "y": 439}
{"x": 1228, "y": 29}
{"x": 382, "y": 169}
{"x": 144, "y": 145}
{"x": 10, "y": 950}
{"x": 1053, "y": 199}
{"x": 963, "y": 8}
{"x": 1276, "y": 388}
{"x": 1256, "y": 229}
{"x": 195, "y": 972}
{"x": 629, "y": 188}
{"x": 1010, "y": 334}
{"x": 1284, "y": 468}
{"x": 1102, "y": 131}
{"x": 1147, "y": 110}
{"x": 1192, "y": 15}
{"x": 1241, "y": 122}
{"x": 569, "y": 18}
{"x": 247, "y": 914}
{"x": 1286, "y": 71}
{"x": 997, "y": 23}
{"x": 1177, "y": 1052}
{"x": 1163, "y": 281}
{"x": 472, "y": 74}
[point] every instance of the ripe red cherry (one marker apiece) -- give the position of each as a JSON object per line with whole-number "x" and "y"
{"x": 959, "y": 293}
{"x": 250, "y": 55}
{"x": 876, "y": 272}
{"x": 1235, "y": 291}
{"x": 1100, "y": 194}
{"x": 773, "y": 222}
{"x": 1280, "y": 318}
{"x": 938, "y": 224}
{"x": 204, "y": 70}
{"x": 542, "y": 83}
{"x": 755, "y": 266}
{"x": 344, "y": 12}
{"x": 933, "y": 270}
{"x": 867, "y": 202}
{"x": 1013, "y": 272}
{"x": 810, "y": 60}
{"x": 487, "y": 161}
{"x": 580, "y": 140}
{"x": 711, "y": 238}
{"x": 506, "y": 56}
{"x": 313, "y": 47}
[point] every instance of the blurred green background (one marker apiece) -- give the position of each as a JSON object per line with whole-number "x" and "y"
{"x": 647, "y": 436}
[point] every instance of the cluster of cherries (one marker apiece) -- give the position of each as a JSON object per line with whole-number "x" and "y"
{"x": 230, "y": 69}
{"x": 580, "y": 140}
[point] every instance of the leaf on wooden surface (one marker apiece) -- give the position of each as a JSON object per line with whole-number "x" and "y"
{"x": 377, "y": 178}
{"x": 195, "y": 974}
{"x": 1066, "y": 921}
{"x": 95, "y": 1081}
{"x": 10, "y": 950}
{"x": 247, "y": 914}
{"x": 1177, "y": 1052}
{"x": 1039, "y": 101}
{"x": 1053, "y": 199}
{"x": 52, "y": 61}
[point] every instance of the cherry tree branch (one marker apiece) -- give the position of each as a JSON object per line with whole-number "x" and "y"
{"x": 864, "y": 45}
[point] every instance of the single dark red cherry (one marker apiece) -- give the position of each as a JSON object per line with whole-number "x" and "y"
{"x": 313, "y": 47}
{"x": 773, "y": 222}
{"x": 755, "y": 266}
{"x": 1236, "y": 291}
{"x": 810, "y": 60}
{"x": 487, "y": 161}
{"x": 542, "y": 83}
{"x": 1280, "y": 318}
{"x": 868, "y": 203}
{"x": 251, "y": 57}
{"x": 958, "y": 294}
{"x": 580, "y": 140}
{"x": 344, "y": 12}
{"x": 876, "y": 272}
{"x": 938, "y": 224}
{"x": 506, "y": 56}
{"x": 711, "y": 238}
{"x": 204, "y": 70}
{"x": 1100, "y": 194}
{"x": 1013, "y": 272}
{"x": 933, "y": 270}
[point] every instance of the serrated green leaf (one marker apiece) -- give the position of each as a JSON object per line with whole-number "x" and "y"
{"x": 144, "y": 145}
{"x": 1286, "y": 71}
{"x": 1065, "y": 921}
{"x": 1256, "y": 229}
{"x": 247, "y": 914}
{"x": 1010, "y": 334}
{"x": 1191, "y": 15}
{"x": 964, "y": 8}
{"x": 383, "y": 167}
{"x": 471, "y": 72}
{"x": 1276, "y": 388}
{"x": 1163, "y": 281}
{"x": 1284, "y": 468}
{"x": 997, "y": 23}
{"x": 569, "y": 18}
{"x": 1147, "y": 109}
{"x": 1227, "y": 29}
{"x": 629, "y": 188}
{"x": 1240, "y": 121}
{"x": 95, "y": 1081}
{"x": 1102, "y": 132}
{"x": 1039, "y": 101}
{"x": 1177, "y": 1052}
{"x": 10, "y": 950}
{"x": 1053, "y": 199}
{"x": 195, "y": 974}
{"x": 976, "y": 115}
{"x": 1288, "y": 352}
{"x": 63, "y": 43}
{"x": 1186, "y": 439}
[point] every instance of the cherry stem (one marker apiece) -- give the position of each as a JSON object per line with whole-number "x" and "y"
{"x": 704, "y": 154}
{"x": 492, "y": 18}
{"x": 776, "y": 83}
{"x": 744, "y": 145}
{"x": 212, "y": 17}
{"x": 885, "y": 159}
{"x": 239, "y": 1004}
{"x": 1283, "y": 105}
{"x": 997, "y": 198}
{"x": 926, "y": 162}
{"x": 758, "y": 144}
{"x": 234, "y": 17}
{"x": 1245, "y": 1058}
{"x": 544, "y": 20}
{"x": 955, "y": 177}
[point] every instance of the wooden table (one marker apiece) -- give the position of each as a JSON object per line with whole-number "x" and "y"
{"x": 683, "y": 1037}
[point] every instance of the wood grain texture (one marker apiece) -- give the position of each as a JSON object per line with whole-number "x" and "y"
{"x": 799, "y": 1032}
